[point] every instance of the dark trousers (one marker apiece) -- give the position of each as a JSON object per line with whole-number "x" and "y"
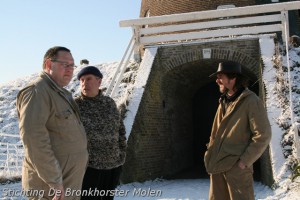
{"x": 100, "y": 180}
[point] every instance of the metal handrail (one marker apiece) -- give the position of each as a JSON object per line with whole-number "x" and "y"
{"x": 120, "y": 70}
{"x": 121, "y": 73}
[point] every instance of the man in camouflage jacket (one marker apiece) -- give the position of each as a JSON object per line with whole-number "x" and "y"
{"x": 105, "y": 132}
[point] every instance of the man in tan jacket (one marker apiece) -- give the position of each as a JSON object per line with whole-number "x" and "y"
{"x": 53, "y": 136}
{"x": 240, "y": 134}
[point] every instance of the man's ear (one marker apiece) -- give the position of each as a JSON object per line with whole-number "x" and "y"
{"x": 48, "y": 66}
{"x": 233, "y": 79}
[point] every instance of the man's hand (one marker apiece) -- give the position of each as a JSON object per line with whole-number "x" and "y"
{"x": 241, "y": 164}
{"x": 59, "y": 193}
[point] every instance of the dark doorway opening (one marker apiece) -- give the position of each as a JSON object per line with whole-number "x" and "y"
{"x": 205, "y": 105}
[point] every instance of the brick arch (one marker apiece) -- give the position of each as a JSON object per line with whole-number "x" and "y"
{"x": 166, "y": 112}
{"x": 217, "y": 54}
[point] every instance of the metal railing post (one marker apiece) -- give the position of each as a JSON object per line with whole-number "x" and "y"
{"x": 294, "y": 126}
{"x": 113, "y": 81}
{"x": 121, "y": 74}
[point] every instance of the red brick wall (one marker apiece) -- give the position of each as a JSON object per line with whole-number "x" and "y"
{"x": 166, "y": 7}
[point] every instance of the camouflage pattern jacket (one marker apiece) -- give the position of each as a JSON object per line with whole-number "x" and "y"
{"x": 105, "y": 131}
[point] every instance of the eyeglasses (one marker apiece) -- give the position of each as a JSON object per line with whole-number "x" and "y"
{"x": 64, "y": 64}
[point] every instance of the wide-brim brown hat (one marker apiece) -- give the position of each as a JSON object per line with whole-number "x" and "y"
{"x": 228, "y": 67}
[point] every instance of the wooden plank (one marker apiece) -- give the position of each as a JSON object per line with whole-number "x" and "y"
{"x": 210, "y": 14}
{"x": 211, "y": 24}
{"x": 210, "y": 34}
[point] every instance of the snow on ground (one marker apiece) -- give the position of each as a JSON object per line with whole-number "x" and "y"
{"x": 159, "y": 189}
{"x": 282, "y": 149}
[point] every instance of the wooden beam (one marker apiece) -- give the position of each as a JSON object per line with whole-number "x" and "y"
{"x": 210, "y": 34}
{"x": 238, "y": 11}
{"x": 211, "y": 24}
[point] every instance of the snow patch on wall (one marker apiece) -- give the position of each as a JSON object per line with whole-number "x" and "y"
{"x": 138, "y": 88}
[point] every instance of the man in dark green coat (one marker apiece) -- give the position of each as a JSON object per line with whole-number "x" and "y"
{"x": 240, "y": 134}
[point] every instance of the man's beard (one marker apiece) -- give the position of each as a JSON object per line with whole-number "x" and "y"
{"x": 223, "y": 90}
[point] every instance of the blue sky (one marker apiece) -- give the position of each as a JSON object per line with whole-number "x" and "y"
{"x": 90, "y": 29}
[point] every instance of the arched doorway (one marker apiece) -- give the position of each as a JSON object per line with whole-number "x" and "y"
{"x": 200, "y": 102}
{"x": 172, "y": 127}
